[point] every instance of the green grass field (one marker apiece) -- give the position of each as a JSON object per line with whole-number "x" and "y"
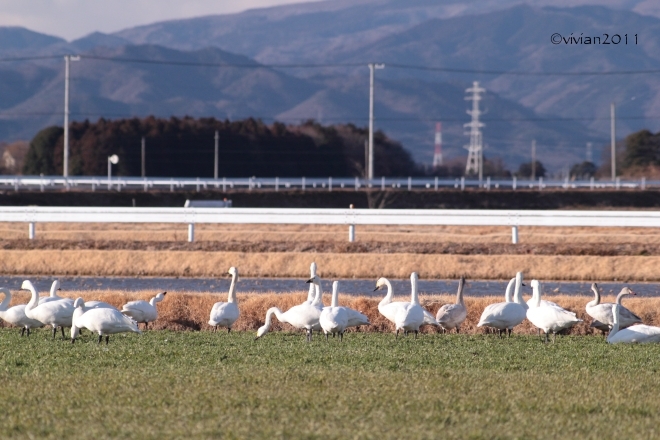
{"x": 202, "y": 385}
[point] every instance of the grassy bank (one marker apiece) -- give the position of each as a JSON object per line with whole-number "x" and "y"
{"x": 201, "y": 385}
{"x": 190, "y": 311}
{"x": 331, "y": 265}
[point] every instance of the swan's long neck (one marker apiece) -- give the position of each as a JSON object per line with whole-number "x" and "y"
{"x": 6, "y": 300}
{"x": 459, "y": 294}
{"x": 615, "y": 327}
{"x": 155, "y": 300}
{"x": 536, "y": 294}
{"x": 507, "y": 292}
{"x": 596, "y": 299}
{"x": 34, "y": 301}
{"x": 312, "y": 291}
{"x": 517, "y": 294}
{"x": 269, "y": 316}
{"x": 53, "y": 289}
{"x": 620, "y": 296}
{"x": 335, "y": 294}
{"x": 232, "y": 289}
{"x": 414, "y": 296}
{"x": 318, "y": 299}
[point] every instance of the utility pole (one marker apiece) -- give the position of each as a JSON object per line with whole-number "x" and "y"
{"x": 67, "y": 60}
{"x": 534, "y": 159}
{"x": 144, "y": 162}
{"x": 590, "y": 154}
{"x": 215, "y": 161}
{"x": 613, "y": 141}
{"x": 475, "y": 149}
{"x": 370, "y": 167}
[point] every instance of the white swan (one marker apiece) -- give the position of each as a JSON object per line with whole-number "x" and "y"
{"x": 549, "y": 318}
{"x": 532, "y": 302}
{"x": 505, "y": 316}
{"x": 224, "y": 314}
{"x": 311, "y": 293}
{"x": 410, "y": 317}
{"x": 54, "y": 287}
{"x": 388, "y": 308}
{"x": 142, "y": 311}
{"x": 54, "y": 313}
{"x": 334, "y": 319}
{"x": 602, "y": 312}
{"x": 639, "y": 333}
{"x": 452, "y": 316}
{"x": 303, "y": 316}
{"x": 102, "y": 320}
{"x": 16, "y": 315}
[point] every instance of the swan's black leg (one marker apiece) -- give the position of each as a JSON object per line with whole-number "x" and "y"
{"x": 457, "y": 330}
{"x": 228, "y": 330}
{"x": 54, "y": 332}
{"x": 416, "y": 332}
{"x": 100, "y": 338}
{"x": 327, "y": 337}
{"x": 554, "y": 337}
{"x": 397, "y": 334}
{"x": 28, "y": 332}
{"x": 22, "y": 331}
{"x": 546, "y": 338}
{"x": 107, "y": 339}
{"x": 341, "y": 337}
{"x": 62, "y": 328}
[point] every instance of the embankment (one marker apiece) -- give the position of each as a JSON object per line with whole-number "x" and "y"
{"x": 190, "y": 311}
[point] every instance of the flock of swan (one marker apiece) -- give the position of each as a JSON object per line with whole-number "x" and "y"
{"x": 103, "y": 319}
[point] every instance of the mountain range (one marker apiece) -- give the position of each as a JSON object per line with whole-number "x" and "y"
{"x": 308, "y": 61}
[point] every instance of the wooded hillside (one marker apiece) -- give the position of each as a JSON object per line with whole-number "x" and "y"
{"x": 184, "y": 147}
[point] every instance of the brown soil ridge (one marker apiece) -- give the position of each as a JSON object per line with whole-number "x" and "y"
{"x": 296, "y": 265}
{"x": 190, "y": 311}
{"x": 329, "y": 246}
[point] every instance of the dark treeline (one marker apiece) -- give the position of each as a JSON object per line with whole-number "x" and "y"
{"x": 184, "y": 147}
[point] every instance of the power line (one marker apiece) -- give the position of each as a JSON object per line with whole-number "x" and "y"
{"x": 348, "y": 118}
{"x": 256, "y": 65}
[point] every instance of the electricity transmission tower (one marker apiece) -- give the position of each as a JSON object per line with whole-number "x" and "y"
{"x": 475, "y": 161}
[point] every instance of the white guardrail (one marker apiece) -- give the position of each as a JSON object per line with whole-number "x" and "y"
{"x": 310, "y": 216}
{"x": 96, "y": 183}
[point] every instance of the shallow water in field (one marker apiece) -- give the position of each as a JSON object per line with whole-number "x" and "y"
{"x": 286, "y": 285}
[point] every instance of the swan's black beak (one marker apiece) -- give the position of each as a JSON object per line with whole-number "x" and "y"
{"x": 309, "y": 281}
{"x": 523, "y": 284}
{"x": 376, "y": 288}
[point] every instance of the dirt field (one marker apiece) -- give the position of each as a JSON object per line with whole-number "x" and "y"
{"x": 331, "y": 234}
{"x": 190, "y": 311}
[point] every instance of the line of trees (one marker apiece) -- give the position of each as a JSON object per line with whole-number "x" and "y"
{"x": 184, "y": 147}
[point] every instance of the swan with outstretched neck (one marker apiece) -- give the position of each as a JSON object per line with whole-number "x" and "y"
{"x": 602, "y": 312}
{"x": 549, "y": 318}
{"x": 635, "y": 334}
{"x": 54, "y": 313}
{"x": 224, "y": 314}
{"x": 505, "y": 316}
{"x": 451, "y": 316}
{"x": 303, "y": 316}
{"x": 388, "y": 308}
{"x": 410, "y": 317}
{"x": 102, "y": 321}
{"x": 335, "y": 319}
{"x": 16, "y": 315}
{"x": 142, "y": 311}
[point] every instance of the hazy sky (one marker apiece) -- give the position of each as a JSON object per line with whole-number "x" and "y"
{"x": 73, "y": 19}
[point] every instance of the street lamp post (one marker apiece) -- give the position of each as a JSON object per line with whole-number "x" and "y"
{"x": 67, "y": 60}
{"x": 370, "y": 165}
{"x": 613, "y": 139}
{"x": 112, "y": 160}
